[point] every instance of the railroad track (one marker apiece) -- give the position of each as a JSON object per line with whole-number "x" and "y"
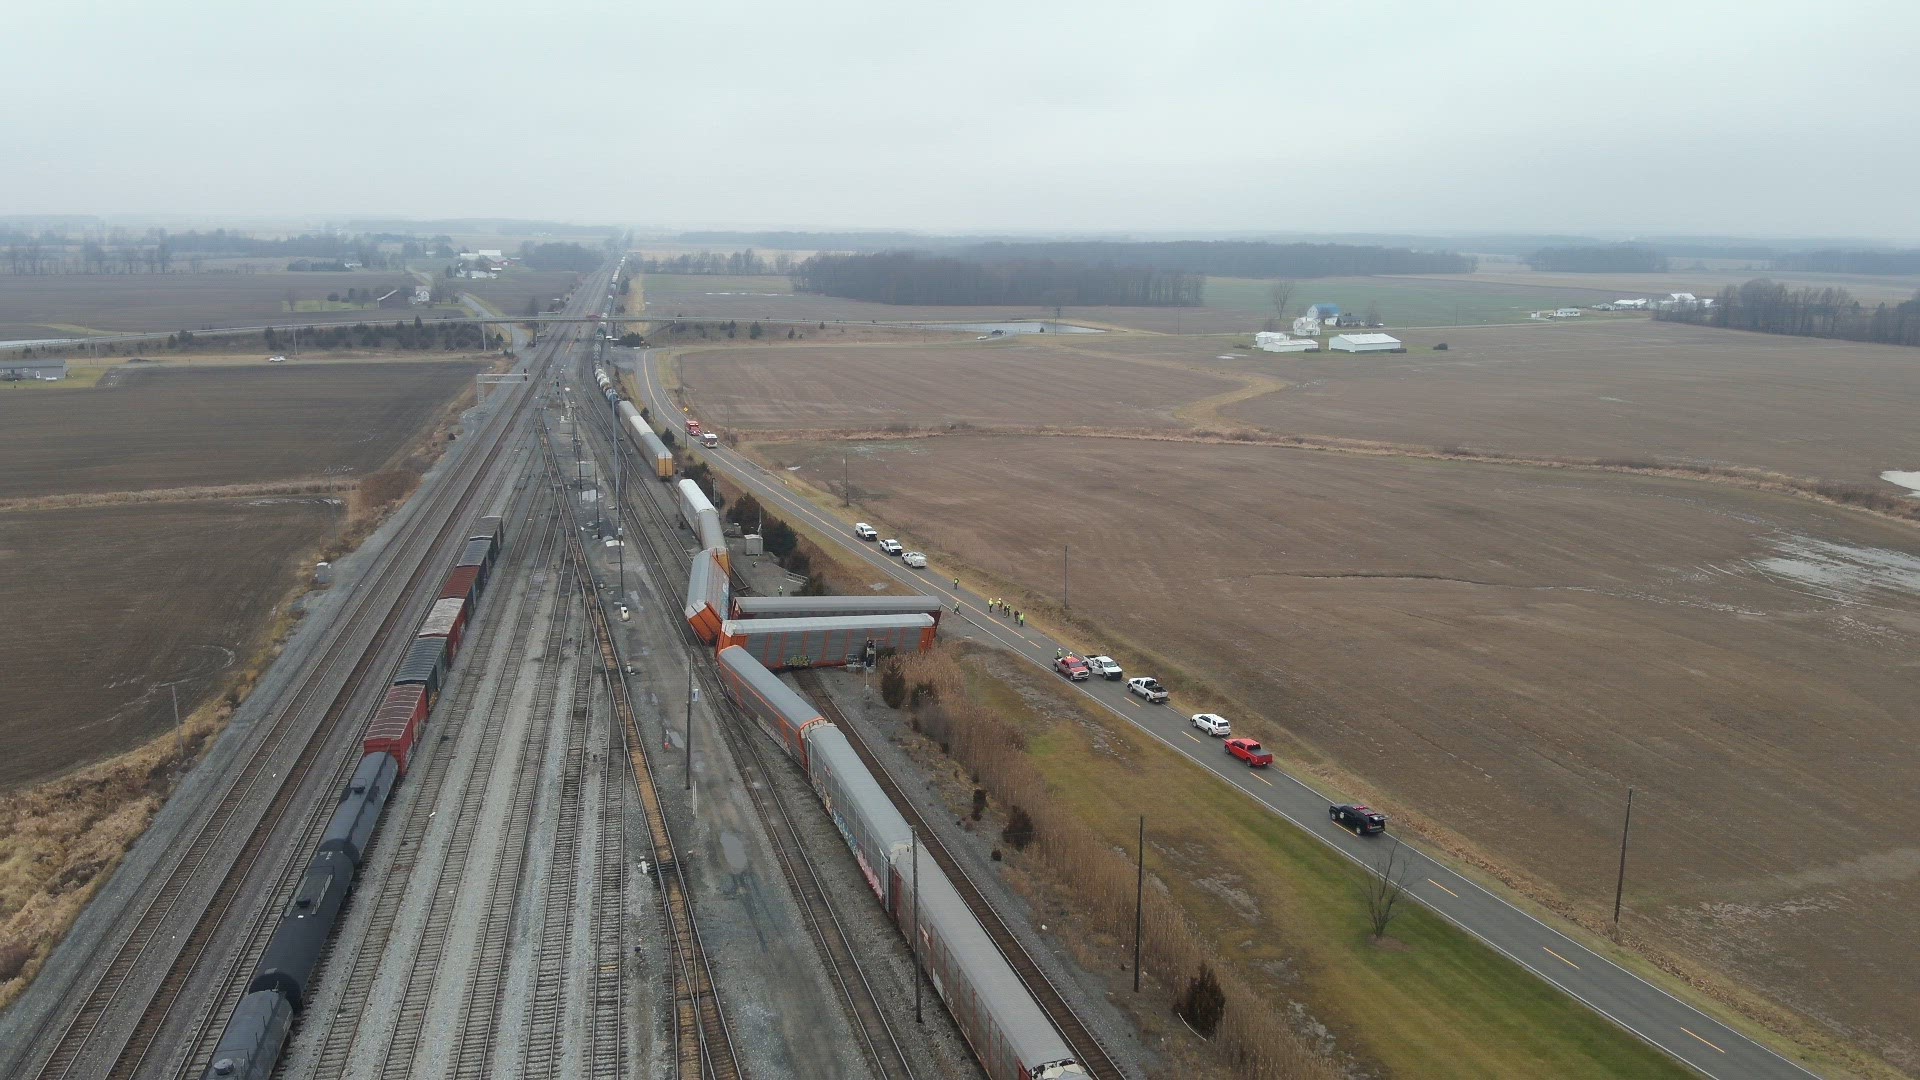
{"x": 879, "y": 1044}
{"x": 546, "y": 1005}
{"x": 406, "y": 838}
{"x": 1086, "y": 1048}
{"x": 164, "y": 912}
{"x": 473, "y": 1054}
{"x": 430, "y": 949}
{"x": 703, "y": 1040}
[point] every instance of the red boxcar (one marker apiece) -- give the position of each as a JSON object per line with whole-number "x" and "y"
{"x": 463, "y": 582}
{"x": 397, "y": 723}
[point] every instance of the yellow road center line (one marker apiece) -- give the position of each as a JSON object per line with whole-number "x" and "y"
{"x": 1192, "y": 736}
{"x": 1562, "y": 959}
{"x": 1133, "y": 703}
{"x": 1703, "y": 1040}
{"x": 1443, "y": 888}
{"x": 1263, "y": 779}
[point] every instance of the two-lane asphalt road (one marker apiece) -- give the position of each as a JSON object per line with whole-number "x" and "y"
{"x": 1648, "y": 1011}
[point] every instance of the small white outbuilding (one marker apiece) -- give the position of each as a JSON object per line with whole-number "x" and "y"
{"x": 1358, "y": 343}
{"x": 1269, "y": 341}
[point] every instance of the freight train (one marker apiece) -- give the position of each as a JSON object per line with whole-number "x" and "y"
{"x": 249, "y": 1048}
{"x": 652, "y": 450}
{"x": 1007, "y": 1029}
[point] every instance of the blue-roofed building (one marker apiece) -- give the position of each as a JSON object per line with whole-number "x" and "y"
{"x": 1324, "y": 312}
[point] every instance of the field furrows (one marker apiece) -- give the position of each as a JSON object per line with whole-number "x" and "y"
{"x": 163, "y": 911}
{"x": 703, "y": 1042}
{"x": 1086, "y": 1048}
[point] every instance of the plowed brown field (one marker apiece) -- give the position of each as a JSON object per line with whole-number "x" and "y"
{"x": 1500, "y": 652}
{"x": 1017, "y": 382}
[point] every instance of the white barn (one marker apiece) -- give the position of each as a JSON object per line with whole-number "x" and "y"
{"x": 1268, "y": 341}
{"x": 1359, "y": 343}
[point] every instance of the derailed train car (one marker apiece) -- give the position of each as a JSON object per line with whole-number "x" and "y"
{"x": 832, "y": 607}
{"x": 1008, "y": 1031}
{"x": 698, "y": 512}
{"x": 706, "y": 607}
{"x": 781, "y": 644}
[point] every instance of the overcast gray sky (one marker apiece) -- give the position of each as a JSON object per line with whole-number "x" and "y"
{"x": 1752, "y": 118}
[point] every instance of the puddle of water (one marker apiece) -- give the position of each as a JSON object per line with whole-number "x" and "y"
{"x": 1841, "y": 572}
{"x": 1908, "y": 480}
{"x": 1031, "y": 327}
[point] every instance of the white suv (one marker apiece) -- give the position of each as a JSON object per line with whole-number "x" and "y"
{"x": 1212, "y": 724}
{"x": 865, "y": 531}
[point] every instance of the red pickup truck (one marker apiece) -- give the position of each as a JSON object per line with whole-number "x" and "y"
{"x": 1249, "y": 751}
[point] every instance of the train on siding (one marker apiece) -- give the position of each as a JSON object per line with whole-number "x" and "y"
{"x": 282, "y": 979}
{"x": 652, "y": 449}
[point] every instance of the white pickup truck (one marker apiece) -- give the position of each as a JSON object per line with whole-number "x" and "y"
{"x": 1147, "y": 687}
{"x": 1104, "y": 667}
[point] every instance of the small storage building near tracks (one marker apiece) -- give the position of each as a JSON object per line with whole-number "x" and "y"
{"x": 831, "y": 642}
{"x": 1359, "y": 343}
{"x": 397, "y": 723}
{"x": 706, "y": 606}
{"x": 778, "y": 707}
{"x": 828, "y": 607}
{"x": 655, "y": 452}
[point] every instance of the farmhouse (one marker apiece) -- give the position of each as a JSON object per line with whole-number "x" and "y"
{"x": 1359, "y": 343}
{"x": 1324, "y": 312}
{"x": 45, "y": 370}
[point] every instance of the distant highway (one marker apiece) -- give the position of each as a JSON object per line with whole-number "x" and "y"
{"x": 1689, "y": 1035}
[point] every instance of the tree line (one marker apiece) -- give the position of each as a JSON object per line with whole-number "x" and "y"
{"x": 738, "y": 263}
{"x": 559, "y": 256}
{"x": 1236, "y": 258}
{"x": 1598, "y": 259}
{"x": 418, "y": 335}
{"x": 902, "y": 277}
{"x": 1771, "y": 307}
{"x": 1851, "y": 262}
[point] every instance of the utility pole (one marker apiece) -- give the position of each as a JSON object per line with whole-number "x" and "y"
{"x": 917, "y": 1017}
{"x": 846, "y": 491}
{"x": 690, "y": 693}
{"x": 1066, "y": 598}
{"x": 1620, "y": 883}
{"x": 1139, "y": 902}
{"x": 179, "y": 733}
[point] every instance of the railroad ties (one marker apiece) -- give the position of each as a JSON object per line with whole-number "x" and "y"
{"x": 703, "y": 1042}
{"x": 1086, "y": 1048}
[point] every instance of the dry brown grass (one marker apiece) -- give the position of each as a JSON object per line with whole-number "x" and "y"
{"x": 197, "y": 493}
{"x": 1254, "y": 1039}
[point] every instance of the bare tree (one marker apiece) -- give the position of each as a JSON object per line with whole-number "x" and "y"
{"x": 1281, "y": 294}
{"x": 1384, "y": 889}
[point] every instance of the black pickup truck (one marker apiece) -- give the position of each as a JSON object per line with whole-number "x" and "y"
{"x": 1364, "y": 821}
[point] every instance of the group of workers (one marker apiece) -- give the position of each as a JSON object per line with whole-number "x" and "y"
{"x": 999, "y": 607}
